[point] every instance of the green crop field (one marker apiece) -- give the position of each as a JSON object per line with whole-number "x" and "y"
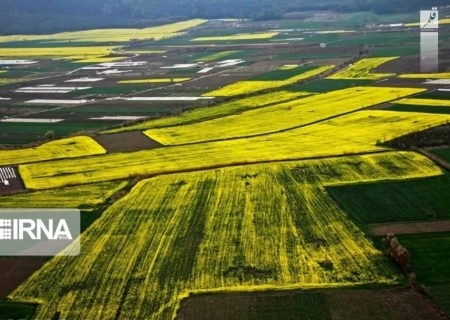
{"x": 443, "y": 153}
{"x": 85, "y": 196}
{"x": 327, "y": 85}
{"x": 281, "y": 74}
{"x": 415, "y": 108}
{"x": 394, "y": 201}
{"x": 428, "y": 256}
{"x": 13, "y": 310}
{"x": 440, "y": 294}
{"x": 17, "y": 134}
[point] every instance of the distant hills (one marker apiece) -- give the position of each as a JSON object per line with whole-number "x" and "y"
{"x": 47, "y": 16}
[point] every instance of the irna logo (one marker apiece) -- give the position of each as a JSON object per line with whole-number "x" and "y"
{"x": 34, "y": 229}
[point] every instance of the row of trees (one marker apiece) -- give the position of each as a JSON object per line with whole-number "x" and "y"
{"x": 43, "y": 16}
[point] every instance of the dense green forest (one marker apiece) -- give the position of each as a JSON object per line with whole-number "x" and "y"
{"x": 45, "y": 16}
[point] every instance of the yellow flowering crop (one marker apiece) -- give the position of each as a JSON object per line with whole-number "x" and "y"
{"x": 249, "y": 86}
{"x": 116, "y": 35}
{"x": 246, "y": 228}
{"x": 72, "y": 53}
{"x": 154, "y": 80}
{"x": 424, "y": 102}
{"x": 64, "y": 148}
{"x": 417, "y": 24}
{"x": 362, "y": 70}
{"x": 217, "y": 55}
{"x": 244, "y": 36}
{"x": 442, "y": 75}
{"x": 216, "y": 111}
{"x": 8, "y": 80}
{"x": 280, "y": 116}
{"x": 353, "y": 133}
{"x": 289, "y": 66}
{"x": 69, "y": 197}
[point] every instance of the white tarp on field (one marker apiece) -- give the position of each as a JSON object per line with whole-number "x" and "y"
{"x": 49, "y": 89}
{"x": 25, "y": 120}
{"x": 181, "y": 66}
{"x": 438, "y": 81}
{"x": 58, "y": 101}
{"x": 122, "y": 64}
{"x": 126, "y": 118}
{"x": 112, "y": 71}
{"x": 85, "y": 79}
{"x": 17, "y": 62}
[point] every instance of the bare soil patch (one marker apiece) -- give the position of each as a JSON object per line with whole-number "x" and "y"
{"x": 410, "y": 228}
{"x": 409, "y": 64}
{"x": 15, "y": 270}
{"x": 361, "y": 304}
{"x": 126, "y": 142}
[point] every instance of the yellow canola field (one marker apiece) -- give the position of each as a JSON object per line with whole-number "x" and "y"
{"x": 113, "y": 35}
{"x": 216, "y": 111}
{"x": 417, "y": 24}
{"x": 424, "y": 102}
{"x": 280, "y": 116}
{"x": 369, "y": 127}
{"x": 249, "y": 86}
{"x": 217, "y": 55}
{"x": 72, "y": 53}
{"x": 289, "y": 66}
{"x": 8, "y": 80}
{"x": 70, "y": 197}
{"x": 442, "y": 75}
{"x": 64, "y": 148}
{"x": 247, "y": 228}
{"x": 362, "y": 70}
{"x": 237, "y": 37}
{"x": 354, "y": 133}
{"x": 154, "y": 80}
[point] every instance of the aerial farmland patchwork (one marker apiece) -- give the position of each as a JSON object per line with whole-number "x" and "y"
{"x": 231, "y": 169}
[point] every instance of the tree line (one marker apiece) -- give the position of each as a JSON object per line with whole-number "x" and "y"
{"x": 47, "y": 16}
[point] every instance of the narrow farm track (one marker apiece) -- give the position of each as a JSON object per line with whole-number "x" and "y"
{"x": 409, "y": 228}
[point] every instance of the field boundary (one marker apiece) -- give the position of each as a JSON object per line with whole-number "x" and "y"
{"x": 434, "y": 158}
{"x": 409, "y": 227}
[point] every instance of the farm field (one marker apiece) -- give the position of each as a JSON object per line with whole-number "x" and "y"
{"x": 272, "y": 147}
{"x": 362, "y": 70}
{"x": 64, "y": 148}
{"x": 291, "y": 115}
{"x": 427, "y": 252}
{"x": 249, "y": 86}
{"x": 443, "y": 153}
{"x": 421, "y": 105}
{"x": 411, "y": 200}
{"x": 311, "y": 304}
{"x": 110, "y": 35}
{"x": 230, "y": 169}
{"x": 85, "y": 196}
{"x": 199, "y": 257}
{"x": 221, "y": 110}
{"x": 431, "y": 268}
{"x": 237, "y": 37}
